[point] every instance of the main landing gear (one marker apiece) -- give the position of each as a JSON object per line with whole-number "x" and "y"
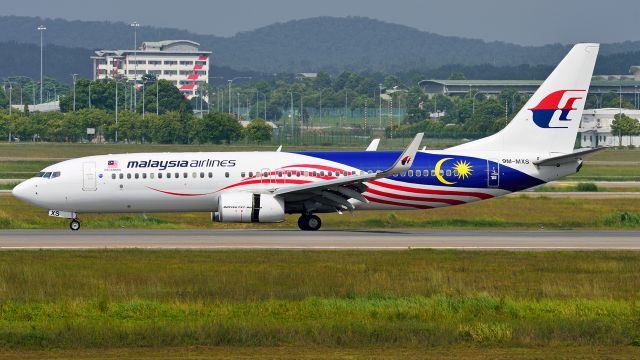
{"x": 74, "y": 225}
{"x": 309, "y": 222}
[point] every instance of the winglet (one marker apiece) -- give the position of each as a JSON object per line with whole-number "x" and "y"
{"x": 279, "y": 148}
{"x": 374, "y": 145}
{"x": 403, "y": 163}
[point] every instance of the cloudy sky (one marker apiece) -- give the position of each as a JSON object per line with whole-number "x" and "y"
{"x": 531, "y": 22}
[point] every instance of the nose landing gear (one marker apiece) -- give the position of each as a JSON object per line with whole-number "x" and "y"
{"x": 308, "y": 222}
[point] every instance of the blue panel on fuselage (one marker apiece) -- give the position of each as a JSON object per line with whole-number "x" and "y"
{"x": 510, "y": 179}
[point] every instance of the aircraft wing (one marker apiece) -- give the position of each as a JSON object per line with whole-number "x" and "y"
{"x": 567, "y": 158}
{"x": 336, "y": 192}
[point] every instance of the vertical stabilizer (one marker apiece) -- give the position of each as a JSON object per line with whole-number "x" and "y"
{"x": 549, "y": 121}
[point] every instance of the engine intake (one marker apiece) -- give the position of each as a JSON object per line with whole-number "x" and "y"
{"x": 249, "y": 208}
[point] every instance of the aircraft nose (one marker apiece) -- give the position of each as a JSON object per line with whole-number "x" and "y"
{"x": 22, "y": 191}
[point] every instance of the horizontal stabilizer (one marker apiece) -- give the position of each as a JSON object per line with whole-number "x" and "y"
{"x": 578, "y": 154}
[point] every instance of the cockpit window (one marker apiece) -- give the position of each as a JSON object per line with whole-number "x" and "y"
{"x": 46, "y": 175}
{"x": 40, "y": 174}
{"x": 55, "y": 174}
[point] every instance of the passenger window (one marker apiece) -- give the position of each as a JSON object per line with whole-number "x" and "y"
{"x": 242, "y": 174}
{"x": 418, "y": 173}
{"x": 345, "y": 173}
{"x": 210, "y": 175}
{"x": 455, "y": 173}
{"x": 289, "y": 173}
{"x": 410, "y": 173}
{"x": 279, "y": 173}
{"x": 404, "y": 174}
{"x": 144, "y": 175}
{"x": 298, "y": 173}
{"x": 128, "y": 175}
{"x": 448, "y": 172}
{"x": 113, "y": 176}
{"x": 433, "y": 172}
{"x": 168, "y": 175}
{"x": 266, "y": 174}
{"x": 151, "y": 175}
{"x": 136, "y": 176}
{"x": 194, "y": 175}
{"x": 321, "y": 173}
{"x": 185, "y": 175}
{"x": 159, "y": 175}
{"x": 201, "y": 175}
{"x": 250, "y": 173}
{"x": 121, "y": 176}
{"x": 226, "y": 174}
{"x": 314, "y": 174}
{"x": 426, "y": 173}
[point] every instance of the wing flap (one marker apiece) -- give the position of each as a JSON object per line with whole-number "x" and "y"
{"x": 567, "y": 158}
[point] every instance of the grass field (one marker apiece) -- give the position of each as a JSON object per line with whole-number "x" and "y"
{"x": 312, "y": 303}
{"x": 532, "y": 213}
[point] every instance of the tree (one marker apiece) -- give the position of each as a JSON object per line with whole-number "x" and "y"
{"x": 216, "y": 127}
{"x": 624, "y": 125}
{"x": 457, "y": 75}
{"x": 170, "y": 98}
{"x": 166, "y": 128}
{"x": 259, "y": 131}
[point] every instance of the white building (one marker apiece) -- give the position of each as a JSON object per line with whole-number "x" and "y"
{"x": 595, "y": 128}
{"x": 178, "y": 61}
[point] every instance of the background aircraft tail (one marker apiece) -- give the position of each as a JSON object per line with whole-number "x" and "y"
{"x": 549, "y": 121}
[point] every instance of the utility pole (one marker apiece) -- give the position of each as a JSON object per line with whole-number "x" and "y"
{"x": 74, "y": 92}
{"x": 41, "y": 28}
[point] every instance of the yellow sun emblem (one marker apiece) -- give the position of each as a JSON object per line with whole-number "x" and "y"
{"x": 463, "y": 168}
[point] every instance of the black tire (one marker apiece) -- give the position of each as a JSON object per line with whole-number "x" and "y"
{"x": 302, "y": 222}
{"x": 313, "y": 223}
{"x": 74, "y": 225}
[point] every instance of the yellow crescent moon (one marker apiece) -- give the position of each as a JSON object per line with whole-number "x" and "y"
{"x": 437, "y": 169}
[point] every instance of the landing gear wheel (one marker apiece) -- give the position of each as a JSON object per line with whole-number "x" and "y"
{"x": 309, "y": 222}
{"x": 74, "y": 225}
{"x": 302, "y": 222}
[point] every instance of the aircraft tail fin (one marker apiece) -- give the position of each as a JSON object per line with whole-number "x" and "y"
{"x": 549, "y": 121}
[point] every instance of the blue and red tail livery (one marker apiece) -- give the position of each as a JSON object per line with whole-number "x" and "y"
{"x": 543, "y": 113}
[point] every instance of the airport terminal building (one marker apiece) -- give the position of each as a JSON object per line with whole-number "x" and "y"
{"x": 595, "y": 128}
{"x": 178, "y": 61}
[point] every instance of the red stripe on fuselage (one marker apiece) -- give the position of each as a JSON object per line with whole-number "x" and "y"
{"x": 430, "y": 191}
{"x": 415, "y": 198}
{"x": 394, "y": 203}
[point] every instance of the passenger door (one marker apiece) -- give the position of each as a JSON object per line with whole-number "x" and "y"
{"x": 89, "y": 176}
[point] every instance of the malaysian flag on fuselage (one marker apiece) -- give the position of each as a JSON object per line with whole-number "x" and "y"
{"x": 112, "y": 164}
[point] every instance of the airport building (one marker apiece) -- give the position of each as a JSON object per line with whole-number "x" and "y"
{"x": 595, "y": 128}
{"x": 178, "y": 61}
{"x": 630, "y": 88}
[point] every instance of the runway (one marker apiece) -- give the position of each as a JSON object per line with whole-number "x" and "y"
{"x": 320, "y": 240}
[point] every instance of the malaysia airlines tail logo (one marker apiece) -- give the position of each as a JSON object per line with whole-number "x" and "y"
{"x": 543, "y": 113}
{"x": 405, "y": 160}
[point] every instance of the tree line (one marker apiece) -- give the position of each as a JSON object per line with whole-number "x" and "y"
{"x": 171, "y": 127}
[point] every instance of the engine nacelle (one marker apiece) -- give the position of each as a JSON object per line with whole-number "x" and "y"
{"x": 246, "y": 208}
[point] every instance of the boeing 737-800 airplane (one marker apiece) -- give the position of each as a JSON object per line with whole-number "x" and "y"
{"x": 537, "y": 146}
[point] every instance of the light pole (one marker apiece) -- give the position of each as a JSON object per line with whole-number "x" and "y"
{"x": 157, "y": 97}
{"x": 10, "y": 92}
{"x": 135, "y": 27}
{"x": 230, "y": 82}
{"x": 74, "y": 92}
{"x": 116, "y": 82}
{"x": 41, "y": 28}
{"x": 89, "y": 95}
{"x": 144, "y": 85}
{"x": 380, "y": 106}
{"x": 216, "y": 93}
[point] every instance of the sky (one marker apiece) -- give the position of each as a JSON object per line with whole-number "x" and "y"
{"x": 532, "y": 22}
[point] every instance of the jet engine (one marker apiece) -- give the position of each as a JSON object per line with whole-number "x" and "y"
{"x": 249, "y": 208}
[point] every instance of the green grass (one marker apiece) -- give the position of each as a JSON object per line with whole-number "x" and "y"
{"x": 337, "y": 301}
{"x": 533, "y": 213}
{"x": 607, "y": 173}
